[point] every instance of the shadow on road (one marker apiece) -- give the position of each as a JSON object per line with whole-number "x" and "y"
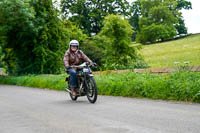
{"x": 67, "y": 101}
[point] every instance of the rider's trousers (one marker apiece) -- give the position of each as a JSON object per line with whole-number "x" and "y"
{"x": 73, "y": 78}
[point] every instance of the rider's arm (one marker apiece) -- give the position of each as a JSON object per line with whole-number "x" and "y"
{"x": 66, "y": 59}
{"x": 85, "y": 58}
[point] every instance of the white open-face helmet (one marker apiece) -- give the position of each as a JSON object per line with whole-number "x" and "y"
{"x": 73, "y": 43}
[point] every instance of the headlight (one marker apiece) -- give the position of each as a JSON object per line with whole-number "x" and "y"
{"x": 86, "y": 70}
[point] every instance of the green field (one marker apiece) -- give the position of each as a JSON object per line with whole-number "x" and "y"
{"x": 165, "y": 54}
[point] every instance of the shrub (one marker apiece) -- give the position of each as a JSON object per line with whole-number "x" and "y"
{"x": 180, "y": 86}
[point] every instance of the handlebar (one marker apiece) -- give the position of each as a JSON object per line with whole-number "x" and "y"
{"x": 87, "y": 64}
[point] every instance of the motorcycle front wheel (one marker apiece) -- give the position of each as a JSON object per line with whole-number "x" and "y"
{"x": 91, "y": 90}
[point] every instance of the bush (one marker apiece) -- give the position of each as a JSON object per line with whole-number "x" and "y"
{"x": 180, "y": 86}
{"x": 42, "y": 81}
{"x": 93, "y": 49}
{"x": 118, "y": 54}
{"x": 154, "y": 33}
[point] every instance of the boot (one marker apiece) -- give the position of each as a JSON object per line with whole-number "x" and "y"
{"x": 73, "y": 91}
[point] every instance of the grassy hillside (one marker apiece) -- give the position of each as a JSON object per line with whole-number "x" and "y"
{"x": 165, "y": 54}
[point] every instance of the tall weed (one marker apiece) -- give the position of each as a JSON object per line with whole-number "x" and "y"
{"x": 180, "y": 86}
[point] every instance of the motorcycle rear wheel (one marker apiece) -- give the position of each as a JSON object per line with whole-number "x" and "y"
{"x": 74, "y": 98}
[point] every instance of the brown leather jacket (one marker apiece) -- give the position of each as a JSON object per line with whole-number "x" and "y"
{"x": 75, "y": 58}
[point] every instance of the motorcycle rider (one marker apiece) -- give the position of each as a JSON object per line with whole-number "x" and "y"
{"x": 74, "y": 56}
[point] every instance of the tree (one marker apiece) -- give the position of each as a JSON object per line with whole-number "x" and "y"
{"x": 135, "y": 15}
{"x": 89, "y": 14}
{"x": 117, "y": 31}
{"x": 35, "y": 36}
{"x": 75, "y": 33}
{"x": 180, "y": 26}
{"x": 50, "y": 43}
{"x": 184, "y": 4}
{"x": 92, "y": 48}
{"x": 1, "y": 54}
{"x": 157, "y": 21}
{"x": 16, "y": 26}
{"x": 2, "y": 41}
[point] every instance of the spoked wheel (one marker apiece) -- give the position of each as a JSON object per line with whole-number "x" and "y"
{"x": 91, "y": 90}
{"x": 74, "y": 98}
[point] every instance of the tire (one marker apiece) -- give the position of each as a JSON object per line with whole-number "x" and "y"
{"x": 91, "y": 91}
{"x": 74, "y": 98}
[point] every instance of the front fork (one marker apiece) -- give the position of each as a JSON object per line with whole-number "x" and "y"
{"x": 86, "y": 80}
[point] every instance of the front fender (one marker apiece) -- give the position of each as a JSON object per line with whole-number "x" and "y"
{"x": 91, "y": 75}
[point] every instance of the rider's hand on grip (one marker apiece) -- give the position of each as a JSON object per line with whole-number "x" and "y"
{"x": 94, "y": 64}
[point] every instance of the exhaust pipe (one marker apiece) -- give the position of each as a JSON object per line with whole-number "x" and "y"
{"x": 67, "y": 90}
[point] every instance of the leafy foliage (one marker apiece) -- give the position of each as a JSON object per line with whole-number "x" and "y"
{"x": 118, "y": 32}
{"x": 157, "y": 17}
{"x": 35, "y": 36}
{"x": 182, "y": 4}
{"x": 1, "y": 54}
{"x": 135, "y": 13}
{"x": 180, "y": 26}
{"x": 51, "y": 40}
{"x": 89, "y": 14}
{"x": 89, "y": 45}
{"x": 180, "y": 86}
{"x": 17, "y": 28}
{"x": 140, "y": 10}
{"x": 74, "y": 32}
{"x": 155, "y": 32}
{"x": 92, "y": 47}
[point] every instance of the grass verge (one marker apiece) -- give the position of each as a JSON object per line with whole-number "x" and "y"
{"x": 179, "y": 86}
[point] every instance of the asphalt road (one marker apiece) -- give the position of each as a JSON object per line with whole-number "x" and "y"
{"x": 33, "y": 110}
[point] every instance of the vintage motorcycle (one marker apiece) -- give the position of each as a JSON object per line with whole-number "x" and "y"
{"x": 86, "y": 83}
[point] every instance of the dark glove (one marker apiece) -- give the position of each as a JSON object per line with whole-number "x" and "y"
{"x": 93, "y": 64}
{"x": 90, "y": 63}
